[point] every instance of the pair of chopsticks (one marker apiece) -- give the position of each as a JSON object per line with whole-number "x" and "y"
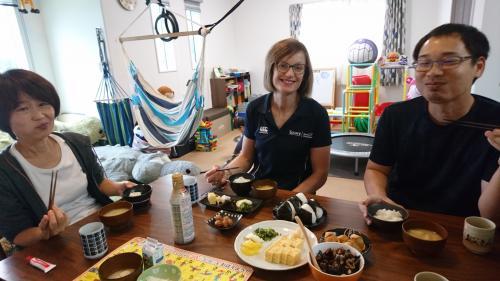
{"x": 53, "y": 185}
{"x": 221, "y": 169}
{"x": 470, "y": 124}
{"x": 306, "y": 236}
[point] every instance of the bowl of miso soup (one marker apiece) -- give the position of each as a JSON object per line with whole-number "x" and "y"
{"x": 424, "y": 238}
{"x": 117, "y": 215}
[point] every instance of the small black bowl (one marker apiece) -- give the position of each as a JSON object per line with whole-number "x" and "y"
{"x": 348, "y": 232}
{"x": 234, "y": 216}
{"x": 140, "y": 206}
{"x": 383, "y": 224}
{"x": 241, "y": 188}
{"x": 144, "y": 196}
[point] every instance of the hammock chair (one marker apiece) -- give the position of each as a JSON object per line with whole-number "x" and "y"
{"x": 165, "y": 123}
{"x": 112, "y": 103}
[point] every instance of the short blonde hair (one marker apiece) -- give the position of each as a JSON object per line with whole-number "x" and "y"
{"x": 280, "y": 50}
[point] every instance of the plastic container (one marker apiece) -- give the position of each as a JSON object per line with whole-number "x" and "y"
{"x": 152, "y": 252}
{"x": 181, "y": 211}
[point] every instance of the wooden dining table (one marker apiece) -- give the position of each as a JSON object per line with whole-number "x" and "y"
{"x": 389, "y": 258}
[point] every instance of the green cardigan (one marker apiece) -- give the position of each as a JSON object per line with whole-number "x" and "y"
{"x": 20, "y": 205}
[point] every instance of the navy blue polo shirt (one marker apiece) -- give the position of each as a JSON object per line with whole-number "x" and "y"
{"x": 284, "y": 154}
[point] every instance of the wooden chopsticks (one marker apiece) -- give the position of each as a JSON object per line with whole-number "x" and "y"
{"x": 309, "y": 246}
{"x": 221, "y": 169}
{"x": 53, "y": 185}
{"x": 476, "y": 125}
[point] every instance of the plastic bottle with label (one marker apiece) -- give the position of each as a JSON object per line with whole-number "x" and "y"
{"x": 181, "y": 211}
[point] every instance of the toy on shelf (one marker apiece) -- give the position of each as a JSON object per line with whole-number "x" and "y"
{"x": 412, "y": 88}
{"x": 203, "y": 137}
{"x": 393, "y": 60}
{"x": 362, "y": 52}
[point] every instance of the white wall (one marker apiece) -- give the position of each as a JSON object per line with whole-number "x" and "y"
{"x": 219, "y": 46}
{"x": 37, "y": 45}
{"x": 72, "y": 44}
{"x": 489, "y": 84}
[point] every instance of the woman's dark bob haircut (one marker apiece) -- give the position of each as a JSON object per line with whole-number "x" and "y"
{"x": 15, "y": 82}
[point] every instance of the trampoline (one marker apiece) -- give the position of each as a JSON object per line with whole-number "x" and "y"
{"x": 352, "y": 145}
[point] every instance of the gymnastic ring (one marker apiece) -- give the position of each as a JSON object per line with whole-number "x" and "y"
{"x": 167, "y": 16}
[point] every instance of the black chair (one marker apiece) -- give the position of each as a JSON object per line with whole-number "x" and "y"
{"x": 238, "y": 123}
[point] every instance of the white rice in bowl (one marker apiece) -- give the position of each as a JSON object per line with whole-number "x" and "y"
{"x": 241, "y": 180}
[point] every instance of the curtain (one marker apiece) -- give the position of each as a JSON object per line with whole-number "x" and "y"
{"x": 461, "y": 11}
{"x": 394, "y": 39}
{"x": 295, "y": 18}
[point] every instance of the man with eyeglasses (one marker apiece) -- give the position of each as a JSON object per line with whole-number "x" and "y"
{"x": 420, "y": 159}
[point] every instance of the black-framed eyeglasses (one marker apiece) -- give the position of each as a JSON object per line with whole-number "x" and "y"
{"x": 298, "y": 68}
{"x": 449, "y": 62}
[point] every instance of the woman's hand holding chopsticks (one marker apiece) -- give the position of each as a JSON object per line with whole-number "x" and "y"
{"x": 53, "y": 223}
{"x": 217, "y": 176}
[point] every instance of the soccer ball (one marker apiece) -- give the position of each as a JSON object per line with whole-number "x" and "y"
{"x": 362, "y": 51}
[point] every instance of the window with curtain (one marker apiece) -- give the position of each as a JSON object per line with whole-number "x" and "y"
{"x": 193, "y": 13}
{"x": 165, "y": 51}
{"x": 12, "y": 49}
{"x": 328, "y": 28}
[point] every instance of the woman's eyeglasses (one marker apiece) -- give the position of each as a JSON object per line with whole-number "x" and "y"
{"x": 298, "y": 68}
{"x": 445, "y": 63}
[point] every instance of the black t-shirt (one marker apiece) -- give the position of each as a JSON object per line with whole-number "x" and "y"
{"x": 283, "y": 154}
{"x": 436, "y": 168}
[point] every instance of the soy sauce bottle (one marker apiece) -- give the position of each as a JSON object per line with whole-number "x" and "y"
{"x": 181, "y": 211}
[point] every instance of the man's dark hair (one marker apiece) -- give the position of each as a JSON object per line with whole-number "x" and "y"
{"x": 474, "y": 40}
{"x": 17, "y": 81}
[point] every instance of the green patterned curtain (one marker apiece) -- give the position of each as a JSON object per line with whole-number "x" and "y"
{"x": 295, "y": 20}
{"x": 394, "y": 39}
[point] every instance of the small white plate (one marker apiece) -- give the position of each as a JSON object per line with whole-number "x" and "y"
{"x": 282, "y": 227}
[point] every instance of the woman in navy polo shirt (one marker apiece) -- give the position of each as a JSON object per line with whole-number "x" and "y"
{"x": 287, "y": 133}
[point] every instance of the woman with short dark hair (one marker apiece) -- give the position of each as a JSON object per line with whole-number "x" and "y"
{"x": 29, "y": 106}
{"x": 287, "y": 134}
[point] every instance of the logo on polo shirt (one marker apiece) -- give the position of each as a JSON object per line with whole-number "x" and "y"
{"x": 307, "y": 135}
{"x": 263, "y": 130}
{"x": 300, "y": 134}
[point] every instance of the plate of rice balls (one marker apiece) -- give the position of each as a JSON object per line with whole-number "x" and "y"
{"x": 309, "y": 211}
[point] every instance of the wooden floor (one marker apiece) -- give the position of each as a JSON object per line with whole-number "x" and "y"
{"x": 335, "y": 187}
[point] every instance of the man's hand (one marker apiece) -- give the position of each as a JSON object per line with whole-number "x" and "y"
{"x": 370, "y": 200}
{"x": 493, "y": 138}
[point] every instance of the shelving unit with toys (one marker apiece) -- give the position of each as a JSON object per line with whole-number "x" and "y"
{"x": 230, "y": 90}
{"x": 360, "y": 96}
